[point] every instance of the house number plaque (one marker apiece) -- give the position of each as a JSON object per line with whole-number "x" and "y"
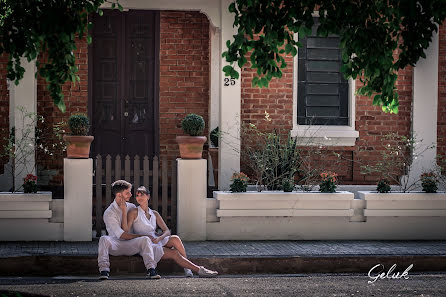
{"x": 229, "y": 82}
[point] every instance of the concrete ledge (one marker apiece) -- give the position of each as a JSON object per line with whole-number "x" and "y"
{"x": 284, "y": 212}
{"x": 87, "y": 265}
{"x": 25, "y": 214}
{"x": 30, "y": 230}
{"x": 405, "y": 212}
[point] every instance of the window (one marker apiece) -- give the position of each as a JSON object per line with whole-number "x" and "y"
{"x": 323, "y": 98}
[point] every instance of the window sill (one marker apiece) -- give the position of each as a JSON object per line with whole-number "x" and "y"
{"x": 325, "y": 135}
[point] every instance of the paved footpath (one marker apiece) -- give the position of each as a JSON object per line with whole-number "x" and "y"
{"x": 230, "y": 257}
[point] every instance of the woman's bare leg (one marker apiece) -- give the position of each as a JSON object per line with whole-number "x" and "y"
{"x": 179, "y": 259}
{"x": 176, "y": 243}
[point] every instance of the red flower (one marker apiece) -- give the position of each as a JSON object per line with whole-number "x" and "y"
{"x": 30, "y": 178}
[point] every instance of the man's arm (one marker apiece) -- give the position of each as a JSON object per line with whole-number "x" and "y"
{"x": 114, "y": 228}
{"x": 128, "y": 236}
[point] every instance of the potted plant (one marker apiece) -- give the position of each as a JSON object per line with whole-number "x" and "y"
{"x": 239, "y": 182}
{"x": 191, "y": 147}
{"x": 328, "y": 182}
{"x": 213, "y": 151}
{"x": 78, "y": 143}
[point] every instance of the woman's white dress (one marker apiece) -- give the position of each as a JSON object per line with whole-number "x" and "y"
{"x": 145, "y": 226}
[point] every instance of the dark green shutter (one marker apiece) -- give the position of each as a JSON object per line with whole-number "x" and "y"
{"x": 322, "y": 91}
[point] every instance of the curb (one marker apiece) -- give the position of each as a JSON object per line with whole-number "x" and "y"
{"x": 87, "y": 265}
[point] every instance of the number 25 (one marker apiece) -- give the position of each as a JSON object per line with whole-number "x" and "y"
{"x": 229, "y": 81}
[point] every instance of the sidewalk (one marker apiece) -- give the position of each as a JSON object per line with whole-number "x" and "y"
{"x": 230, "y": 257}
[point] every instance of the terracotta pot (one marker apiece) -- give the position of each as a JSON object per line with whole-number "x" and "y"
{"x": 191, "y": 147}
{"x": 213, "y": 151}
{"x": 78, "y": 147}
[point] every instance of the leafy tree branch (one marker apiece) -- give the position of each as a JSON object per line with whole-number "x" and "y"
{"x": 371, "y": 32}
{"x": 30, "y": 28}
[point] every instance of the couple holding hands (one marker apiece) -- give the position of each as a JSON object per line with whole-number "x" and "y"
{"x": 121, "y": 217}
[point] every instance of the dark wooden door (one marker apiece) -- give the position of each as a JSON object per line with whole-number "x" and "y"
{"x": 123, "y": 77}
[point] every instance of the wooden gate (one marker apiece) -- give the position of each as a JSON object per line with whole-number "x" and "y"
{"x": 159, "y": 176}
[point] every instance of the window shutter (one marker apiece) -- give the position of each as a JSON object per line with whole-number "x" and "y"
{"x": 322, "y": 90}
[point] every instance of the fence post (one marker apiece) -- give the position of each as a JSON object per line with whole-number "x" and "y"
{"x": 78, "y": 193}
{"x": 191, "y": 199}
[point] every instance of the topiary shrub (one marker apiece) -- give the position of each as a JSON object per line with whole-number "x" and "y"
{"x": 193, "y": 124}
{"x": 79, "y": 124}
{"x": 383, "y": 186}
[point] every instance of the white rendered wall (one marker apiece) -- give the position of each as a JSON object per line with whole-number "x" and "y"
{"x": 78, "y": 199}
{"x": 215, "y": 77}
{"x": 24, "y": 95}
{"x": 28, "y": 217}
{"x": 230, "y": 103}
{"x": 425, "y": 108}
{"x": 191, "y": 199}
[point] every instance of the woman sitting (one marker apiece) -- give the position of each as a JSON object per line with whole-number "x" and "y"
{"x": 166, "y": 246}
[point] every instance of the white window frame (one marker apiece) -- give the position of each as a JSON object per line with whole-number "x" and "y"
{"x": 325, "y": 135}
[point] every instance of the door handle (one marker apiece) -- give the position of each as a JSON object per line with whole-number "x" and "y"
{"x": 126, "y": 107}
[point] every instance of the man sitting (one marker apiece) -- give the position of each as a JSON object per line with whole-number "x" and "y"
{"x": 121, "y": 243}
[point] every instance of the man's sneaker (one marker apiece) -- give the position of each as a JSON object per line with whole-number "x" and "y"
{"x": 188, "y": 272}
{"x": 104, "y": 275}
{"x": 152, "y": 274}
{"x": 204, "y": 272}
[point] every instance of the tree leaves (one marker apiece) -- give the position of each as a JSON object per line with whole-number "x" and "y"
{"x": 47, "y": 29}
{"x": 370, "y": 33}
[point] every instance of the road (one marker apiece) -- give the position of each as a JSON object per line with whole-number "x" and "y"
{"x": 252, "y": 285}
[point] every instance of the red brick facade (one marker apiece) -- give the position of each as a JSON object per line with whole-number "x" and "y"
{"x": 76, "y": 101}
{"x": 184, "y": 88}
{"x": 184, "y": 74}
{"x": 371, "y": 122}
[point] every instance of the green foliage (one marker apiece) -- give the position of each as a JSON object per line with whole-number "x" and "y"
{"x": 429, "y": 181}
{"x": 395, "y": 160}
{"x": 383, "y": 186}
{"x": 287, "y": 185}
{"x": 328, "y": 182}
{"x": 270, "y": 158}
{"x": 239, "y": 182}
{"x": 193, "y": 124}
{"x": 79, "y": 124}
{"x": 32, "y": 139}
{"x": 370, "y": 33}
{"x": 49, "y": 29}
{"x": 214, "y": 136}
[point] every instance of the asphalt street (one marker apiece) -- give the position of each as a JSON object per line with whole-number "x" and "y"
{"x": 242, "y": 285}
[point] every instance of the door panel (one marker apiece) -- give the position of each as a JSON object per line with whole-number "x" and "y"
{"x": 124, "y": 83}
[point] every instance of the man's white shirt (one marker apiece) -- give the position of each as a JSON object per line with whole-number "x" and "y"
{"x": 113, "y": 219}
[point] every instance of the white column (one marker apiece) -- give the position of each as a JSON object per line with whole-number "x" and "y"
{"x": 230, "y": 102}
{"x": 78, "y": 196}
{"x": 425, "y": 108}
{"x": 191, "y": 199}
{"x": 214, "y": 106}
{"x": 24, "y": 95}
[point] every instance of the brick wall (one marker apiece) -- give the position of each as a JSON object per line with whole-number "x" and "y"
{"x": 371, "y": 122}
{"x": 184, "y": 74}
{"x": 50, "y": 167}
{"x": 4, "y": 108}
{"x": 441, "y": 136}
